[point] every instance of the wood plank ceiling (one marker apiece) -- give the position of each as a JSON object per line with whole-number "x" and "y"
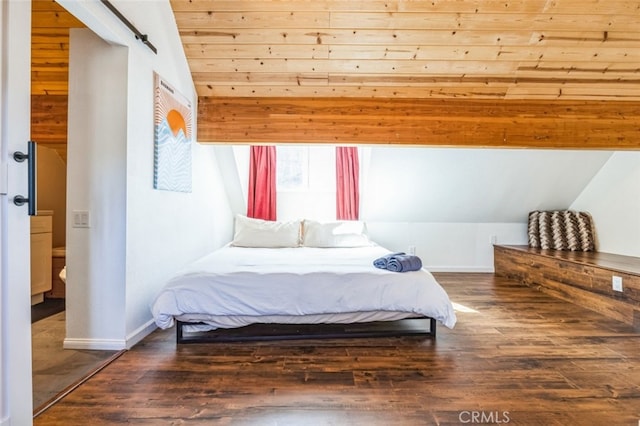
{"x": 532, "y": 73}
{"x": 482, "y": 49}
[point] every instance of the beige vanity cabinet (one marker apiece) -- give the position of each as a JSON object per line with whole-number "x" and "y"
{"x": 41, "y": 246}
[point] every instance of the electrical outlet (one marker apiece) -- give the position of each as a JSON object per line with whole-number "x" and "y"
{"x": 412, "y": 250}
{"x": 493, "y": 239}
{"x": 616, "y": 283}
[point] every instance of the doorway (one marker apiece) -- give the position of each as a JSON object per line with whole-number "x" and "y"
{"x": 50, "y": 25}
{"x": 56, "y": 370}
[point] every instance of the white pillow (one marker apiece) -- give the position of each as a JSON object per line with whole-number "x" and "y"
{"x": 350, "y": 233}
{"x": 250, "y": 232}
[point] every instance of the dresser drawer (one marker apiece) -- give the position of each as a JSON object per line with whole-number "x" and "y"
{"x": 41, "y": 224}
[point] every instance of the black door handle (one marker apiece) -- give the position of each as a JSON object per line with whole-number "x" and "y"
{"x": 30, "y": 156}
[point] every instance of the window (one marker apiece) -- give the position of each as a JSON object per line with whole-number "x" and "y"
{"x": 292, "y": 168}
{"x": 306, "y": 182}
{"x": 306, "y": 168}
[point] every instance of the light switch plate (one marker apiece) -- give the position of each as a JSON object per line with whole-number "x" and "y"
{"x": 81, "y": 219}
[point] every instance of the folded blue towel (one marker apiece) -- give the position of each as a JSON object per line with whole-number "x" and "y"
{"x": 381, "y": 262}
{"x": 404, "y": 263}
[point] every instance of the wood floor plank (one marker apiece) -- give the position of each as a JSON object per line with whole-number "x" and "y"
{"x": 516, "y": 356}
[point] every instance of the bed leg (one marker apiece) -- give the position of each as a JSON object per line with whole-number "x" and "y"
{"x": 432, "y": 328}
{"x": 178, "y": 332}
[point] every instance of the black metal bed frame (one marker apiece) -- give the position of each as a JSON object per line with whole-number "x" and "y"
{"x": 269, "y": 332}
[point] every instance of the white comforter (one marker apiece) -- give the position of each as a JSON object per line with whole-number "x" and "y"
{"x": 258, "y": 283}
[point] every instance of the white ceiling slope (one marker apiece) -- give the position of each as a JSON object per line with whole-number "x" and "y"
{"x": 473, "y": 185}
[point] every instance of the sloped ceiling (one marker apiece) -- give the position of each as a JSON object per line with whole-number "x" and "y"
{"x": 484, "y": 50}
{"x": 338, "y": 71}
{"x": 473, "y": 185}
{"x": 534, "y": 73}
{"x": 480, "y": 49}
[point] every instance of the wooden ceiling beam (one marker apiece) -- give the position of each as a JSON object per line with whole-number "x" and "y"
{"x": 421, "y": 122}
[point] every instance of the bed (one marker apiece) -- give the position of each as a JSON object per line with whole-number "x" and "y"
{"x": 287, "y": 287}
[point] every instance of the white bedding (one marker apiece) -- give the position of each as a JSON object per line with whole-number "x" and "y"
{"x": 237, "y": 286}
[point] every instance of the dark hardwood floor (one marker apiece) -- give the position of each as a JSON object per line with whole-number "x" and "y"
{"x": 57, "y": 370}
{"x": 516, "y": 356}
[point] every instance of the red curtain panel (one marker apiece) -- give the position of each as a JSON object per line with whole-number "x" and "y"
{"x": 262, "y": 183}
{"x": 347, "y": 183}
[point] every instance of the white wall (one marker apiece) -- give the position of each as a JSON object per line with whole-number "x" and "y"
{"x": 473, "y": 185}
{"x": 233, "y": 182}
{"x": 452, "y": 204}
{"x": 156, "y": 232}
{"x": 613, "y": 200}
{"x": 449, "y": 247}
{"x": 96, "y": 183}
{"x": 165, "y": 230}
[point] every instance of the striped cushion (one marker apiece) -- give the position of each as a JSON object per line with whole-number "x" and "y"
{"x": 561, "y": 230}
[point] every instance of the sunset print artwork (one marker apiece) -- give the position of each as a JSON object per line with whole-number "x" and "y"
{"x": 172, "y": 133}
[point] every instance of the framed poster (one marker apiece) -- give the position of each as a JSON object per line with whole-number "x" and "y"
{"x": 172, "y": 123}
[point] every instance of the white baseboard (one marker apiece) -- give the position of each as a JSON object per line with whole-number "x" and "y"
{"x": 111, "y": 344}
{"x": 139, "y": 334}
{"x": 95, "y": 344}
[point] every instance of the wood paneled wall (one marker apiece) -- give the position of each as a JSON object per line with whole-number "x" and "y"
{"x": 443, "y": 122}
{"x": 49, "y": 122}
{"x": 50, "y": 24}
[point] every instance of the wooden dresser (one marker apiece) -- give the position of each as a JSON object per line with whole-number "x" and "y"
{"x": 41, "y": 246}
